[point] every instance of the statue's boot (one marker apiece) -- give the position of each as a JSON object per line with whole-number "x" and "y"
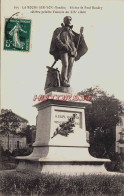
{"x": 65, "y": 84}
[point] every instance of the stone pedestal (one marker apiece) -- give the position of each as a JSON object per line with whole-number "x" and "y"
{"x": 61, "y": 154}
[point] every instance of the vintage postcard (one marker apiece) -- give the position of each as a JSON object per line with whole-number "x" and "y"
{"x": 56, "y": 58}
{"x": 26, "y": 31}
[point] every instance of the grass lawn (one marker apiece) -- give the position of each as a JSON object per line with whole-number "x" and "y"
{"x": 14, "y": 183}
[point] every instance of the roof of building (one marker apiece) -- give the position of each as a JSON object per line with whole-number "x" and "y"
{"x": 19, "y": 117}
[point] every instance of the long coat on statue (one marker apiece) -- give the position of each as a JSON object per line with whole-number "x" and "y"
{"x": 78, "y": 41}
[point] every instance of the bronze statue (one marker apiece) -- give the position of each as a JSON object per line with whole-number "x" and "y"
{"x": 67, "y": 46}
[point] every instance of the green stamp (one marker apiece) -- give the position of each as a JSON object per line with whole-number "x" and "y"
{"x": 17, "y": 34}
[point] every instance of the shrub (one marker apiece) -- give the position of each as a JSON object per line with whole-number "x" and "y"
{"x": 116, "y": 163}
{"x": 16, "y": 183}
{"x": 22, "y": 152}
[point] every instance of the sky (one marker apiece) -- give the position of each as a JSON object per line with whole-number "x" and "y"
{"x": 23, "y": 74}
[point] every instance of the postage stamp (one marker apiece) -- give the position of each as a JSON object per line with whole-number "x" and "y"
{"x": 17, "y": 34}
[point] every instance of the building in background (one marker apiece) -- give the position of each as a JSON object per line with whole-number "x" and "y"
{"x": 14, "y": 141}
{"x": 120, "y": 135}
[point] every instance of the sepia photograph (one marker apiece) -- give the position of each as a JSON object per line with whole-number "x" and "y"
{"x": 62, "y": 98}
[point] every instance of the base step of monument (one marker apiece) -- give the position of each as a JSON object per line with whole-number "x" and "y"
{"x": 63, "y": 168}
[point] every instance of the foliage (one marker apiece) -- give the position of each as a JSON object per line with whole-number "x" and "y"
{"x": 66, "y": 128}
{"x": 7, "y": 158}
{"x": 16, "y": 183}
{"x": 8, "y": 123}
{"x": 102, "y": 142}
{"x": 22, "y": 152}
{"x": 116, "y": 163}
{"x": 102, "y": 116}
{"x": 7, "y": 165}
{"x": 30, "y": 132}
{"x": 104, "y": 112}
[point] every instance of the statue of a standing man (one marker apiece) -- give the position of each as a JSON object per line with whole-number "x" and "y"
{"x": 67, "y": 46}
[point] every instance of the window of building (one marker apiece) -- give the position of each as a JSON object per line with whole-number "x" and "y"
{"x": 17, "y": 144}
{"x": 10, "y": 145}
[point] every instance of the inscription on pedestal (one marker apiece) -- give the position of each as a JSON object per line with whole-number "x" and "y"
{"x": 61, "y": 116}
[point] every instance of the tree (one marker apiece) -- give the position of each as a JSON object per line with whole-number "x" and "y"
{"x": 29, "y": 131}
{"x": 102, "y": 116}
{"x": 8, "y": 123}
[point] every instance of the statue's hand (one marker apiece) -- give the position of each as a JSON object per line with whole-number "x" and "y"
{"x": 66, "y": 48}
{"x": 73, "y": 53}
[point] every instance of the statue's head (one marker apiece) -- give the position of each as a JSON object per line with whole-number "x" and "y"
{"x": 67, "y": 20}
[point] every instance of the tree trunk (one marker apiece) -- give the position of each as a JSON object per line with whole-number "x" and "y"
{"x": 8, "y": 144}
